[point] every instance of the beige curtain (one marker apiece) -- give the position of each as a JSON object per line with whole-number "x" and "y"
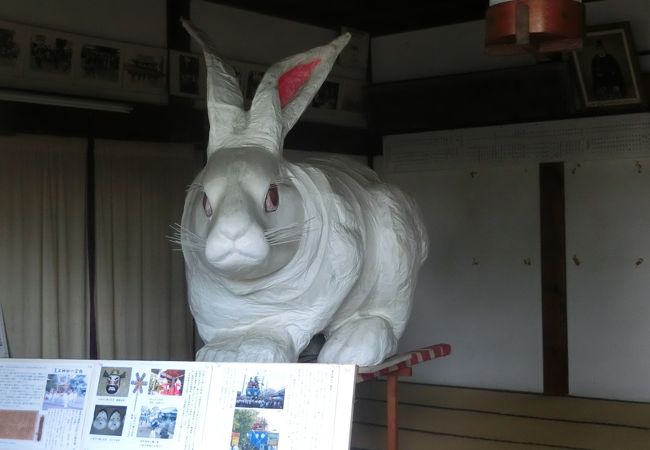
{"x": 43, "y": 283}
{"x": 142, "y": 310}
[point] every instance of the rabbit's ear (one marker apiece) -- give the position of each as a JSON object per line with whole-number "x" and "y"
{"x": 289, "y": 86}
{"x": 225, "y": 99}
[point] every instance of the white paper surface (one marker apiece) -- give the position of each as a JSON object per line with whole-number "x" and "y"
{"x": 55, "y": 391}
{"x": 96, "y": 405}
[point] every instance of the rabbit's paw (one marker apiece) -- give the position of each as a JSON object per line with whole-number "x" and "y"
{"x": 365, "y": 341}
{"x": 250, "y": 349}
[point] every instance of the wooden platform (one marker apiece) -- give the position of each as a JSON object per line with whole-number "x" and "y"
{"x": 448, "y": 418}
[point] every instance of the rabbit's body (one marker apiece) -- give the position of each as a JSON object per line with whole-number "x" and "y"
{"x": 278, "y": 252}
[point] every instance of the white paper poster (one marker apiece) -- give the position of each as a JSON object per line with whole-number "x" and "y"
{"x": 97, "y": 405}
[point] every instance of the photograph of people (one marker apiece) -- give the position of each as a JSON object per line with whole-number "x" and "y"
{"x": 65, "y": 391}
{"x": 256, "y": 430}
{"x": 166, "y": 382}
{"x": 258, "y": 391}
{"x": 157, "y": 423}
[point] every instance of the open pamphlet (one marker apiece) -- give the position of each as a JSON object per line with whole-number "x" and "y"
{"x": 101, "y": 405}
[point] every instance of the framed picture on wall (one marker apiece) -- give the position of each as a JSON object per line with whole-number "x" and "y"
{"x": 145, "y": 69}
{"x": 607, "y": 68}
{"x": 187, "y": 75}
{"x": 50, "y": 54}
{"x": 327, "y": 96}
{"x": 101, "y": 63}
{"x": 13, "y": 48}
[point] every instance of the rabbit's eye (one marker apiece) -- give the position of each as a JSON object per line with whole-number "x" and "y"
{"x": 272, "y": 199}
{"x": 207, "y": 207}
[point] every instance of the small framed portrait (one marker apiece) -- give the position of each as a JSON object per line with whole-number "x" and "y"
{"x": 327, "y": 96}
{"x": 187, "y": 74}
{"x": 607, "y": 68}
{"x": 101, "y": 63}
{"x": 50, "y": 54}
{"x": 14, "y": 47}
{"x": 144, "y": 69}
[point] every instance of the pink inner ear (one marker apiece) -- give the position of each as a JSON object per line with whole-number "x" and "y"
{"x": 293, "y": 80}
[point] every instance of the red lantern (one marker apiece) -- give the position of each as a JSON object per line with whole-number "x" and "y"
{"x": 534, "y": 26}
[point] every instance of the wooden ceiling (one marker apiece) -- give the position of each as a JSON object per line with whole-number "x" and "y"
{"x": 367, "y": 15}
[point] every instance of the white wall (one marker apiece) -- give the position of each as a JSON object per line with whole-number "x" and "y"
{"x": 459, "y": 48}
{"x": 608, "y": 293}
{"x": 476, "y": 291}
{"x": 478, "y": 189}
{"x": 138, "y": 22}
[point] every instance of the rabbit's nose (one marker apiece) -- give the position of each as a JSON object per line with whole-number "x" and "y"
{"x": 241, "y": 248}
{"x": 232, "y": 228}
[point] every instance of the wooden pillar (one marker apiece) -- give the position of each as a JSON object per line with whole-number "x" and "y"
{"x": 554, "y": 294}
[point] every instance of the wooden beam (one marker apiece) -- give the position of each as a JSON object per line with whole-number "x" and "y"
{"x": 494, "y": 97}
{"x": 554, "y": 298}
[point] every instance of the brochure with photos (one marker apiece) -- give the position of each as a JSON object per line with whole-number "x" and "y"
{"x": 101, "y": 405}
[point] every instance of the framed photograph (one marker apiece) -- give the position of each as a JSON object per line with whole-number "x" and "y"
{"x": 607, "y": 67}
{"x": 101, "y": 63}
{"x": 50, "y": 54}
{"x": 187, "y": 76}
{"x": 253, "y": 79}
{"x": 327, "y": 96}
{"x": 144, "y": 69}
{"x": 13, "y": 48}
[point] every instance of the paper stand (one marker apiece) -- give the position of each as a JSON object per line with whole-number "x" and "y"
{"x": 174, "y": 405}
{"x": 392, "y": 369}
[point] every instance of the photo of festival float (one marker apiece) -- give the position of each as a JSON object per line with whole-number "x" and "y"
{"x": 65, "y": 390}
{"x": 258, "y": 391}
{"x": 256, "y": 430}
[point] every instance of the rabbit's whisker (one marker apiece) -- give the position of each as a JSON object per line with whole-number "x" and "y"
{"x": 194, "y": 187}
{"x": 186, "y": 238}
{"x": 289, "y": 233}
{"x": 286, "y": 241}
{"x": 293, "y": 226}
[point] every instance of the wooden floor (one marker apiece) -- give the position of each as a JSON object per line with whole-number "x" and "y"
{"x": 447, "y": 418}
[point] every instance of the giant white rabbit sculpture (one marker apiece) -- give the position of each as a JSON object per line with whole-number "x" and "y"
{"x": 276, "y": 252}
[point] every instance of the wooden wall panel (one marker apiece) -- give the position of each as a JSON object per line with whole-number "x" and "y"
{"x": 476, "y": 419}
{"x": 521, "y": 94}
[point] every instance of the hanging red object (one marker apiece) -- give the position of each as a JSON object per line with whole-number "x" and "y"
{"x": 534, "y": 26}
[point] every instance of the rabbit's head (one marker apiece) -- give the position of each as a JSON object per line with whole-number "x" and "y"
{"x": 244, "y": 206}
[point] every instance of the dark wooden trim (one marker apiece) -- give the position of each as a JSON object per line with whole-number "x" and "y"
{"x": 90, "y": 239}
{"x": 320, "y": 137}
{"x": 554, "y": 294}
{"x": 493, "y": 97}
{"x": 161, "y": 123}
{"x": 177, "y": 37}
